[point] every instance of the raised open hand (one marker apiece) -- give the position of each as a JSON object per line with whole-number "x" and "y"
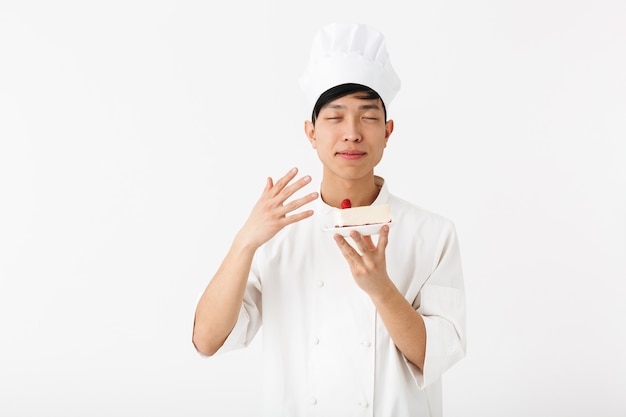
{"x": 270, "y": 214}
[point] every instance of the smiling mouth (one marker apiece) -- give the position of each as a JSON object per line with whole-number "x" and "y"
{"x": 351, "y": 154}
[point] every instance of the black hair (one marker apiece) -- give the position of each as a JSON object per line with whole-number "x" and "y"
{"x": 342, "y": 90}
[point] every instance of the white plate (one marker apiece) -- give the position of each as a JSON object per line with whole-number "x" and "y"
{"x": 368, "y": 229}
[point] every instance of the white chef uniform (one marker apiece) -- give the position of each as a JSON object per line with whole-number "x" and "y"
{"x": 326, "y": 351}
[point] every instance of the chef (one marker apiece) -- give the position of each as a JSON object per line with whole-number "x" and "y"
{"x": 354, "y": 324}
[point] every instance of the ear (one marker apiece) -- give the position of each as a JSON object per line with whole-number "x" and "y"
{"x": 388, "y": 130}
{"x": 309, "y": 130}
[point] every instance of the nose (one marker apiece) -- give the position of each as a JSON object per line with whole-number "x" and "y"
{"x": 353, "y": 134}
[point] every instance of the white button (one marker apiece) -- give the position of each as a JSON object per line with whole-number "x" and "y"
{"x": 364, "y": 404}
{"x": 366, "y": 343}
{"x": 316, "y": 341}
{"x": 320, "y": 284}
{"x": 313, "y": 400}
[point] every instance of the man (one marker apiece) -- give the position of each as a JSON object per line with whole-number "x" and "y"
{"x": 358, "y": 325}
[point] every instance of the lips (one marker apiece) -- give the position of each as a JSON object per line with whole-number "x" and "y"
{"x": 351, "y": 154}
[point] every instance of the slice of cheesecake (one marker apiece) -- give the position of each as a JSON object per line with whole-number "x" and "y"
{"x": 364, "y": 215}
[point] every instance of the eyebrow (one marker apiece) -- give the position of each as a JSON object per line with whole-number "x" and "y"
{"x": 361, "y": 107}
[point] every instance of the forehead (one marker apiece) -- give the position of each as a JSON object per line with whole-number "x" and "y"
{"x": 354, "y": 101}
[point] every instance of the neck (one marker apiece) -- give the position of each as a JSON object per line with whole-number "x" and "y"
{"x": 360, "y": 192}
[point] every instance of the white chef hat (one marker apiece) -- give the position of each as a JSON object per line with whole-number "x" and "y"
{"x": 349, "y": 53}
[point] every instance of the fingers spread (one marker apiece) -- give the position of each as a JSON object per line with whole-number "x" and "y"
{"x": 289, "y": 190}
{"x": 297, "y": 203}
{"x": 282, "y": 182}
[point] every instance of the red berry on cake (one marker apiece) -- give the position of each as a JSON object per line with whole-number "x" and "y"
{"x": 345, "y": 204}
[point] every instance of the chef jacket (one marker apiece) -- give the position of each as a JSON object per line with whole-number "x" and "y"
{"x": 326, "y": 351}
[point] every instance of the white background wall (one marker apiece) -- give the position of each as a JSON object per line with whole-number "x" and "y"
{"x": 136, "y": 135}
